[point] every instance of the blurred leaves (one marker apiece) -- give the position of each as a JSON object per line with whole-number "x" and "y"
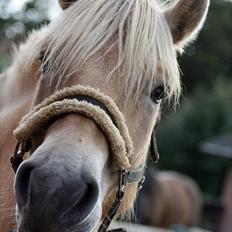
{"x": 207, "y": 113}
{"x": 15, "y": 25}
{"x": 210, "y": 58}
{"x": 4, "y": 61}
{"x": 206, "y": 110}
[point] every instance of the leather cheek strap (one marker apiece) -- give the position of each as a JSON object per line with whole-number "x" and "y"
{"x": 153, "y": 148}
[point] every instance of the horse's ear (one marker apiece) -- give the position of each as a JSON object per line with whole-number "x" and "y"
{"x": 65, "y": 3}
{"x": 186, "y": 18}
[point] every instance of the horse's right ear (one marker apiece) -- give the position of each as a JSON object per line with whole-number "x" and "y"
{"x": 66, "y": 3}
{"x": 186, "y": 18}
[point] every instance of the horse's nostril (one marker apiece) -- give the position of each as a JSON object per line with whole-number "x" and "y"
{"x": 22, "y": 183}
{"x": 85, "y": 201}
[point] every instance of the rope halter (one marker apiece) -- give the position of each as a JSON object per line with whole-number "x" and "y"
{"x": 104, "y": 112}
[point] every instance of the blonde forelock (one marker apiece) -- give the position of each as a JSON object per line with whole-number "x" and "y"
{"x": 143, "y": 39}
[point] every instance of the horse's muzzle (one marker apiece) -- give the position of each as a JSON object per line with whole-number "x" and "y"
{"x": 50, "y": 201}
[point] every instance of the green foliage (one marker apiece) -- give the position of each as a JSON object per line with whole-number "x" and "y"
{"x": 15, "y": 25}
{"x": 207, "y": 110}
{"x": 4, "y": 61}
{"x": 209, "y": 58}
{"x": 207, "y": 113}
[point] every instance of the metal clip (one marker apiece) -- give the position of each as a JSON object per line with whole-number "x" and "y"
{"x": 17, "y": 158}
{"x": 141, "y": 182}
{"x": 123, "y": 179}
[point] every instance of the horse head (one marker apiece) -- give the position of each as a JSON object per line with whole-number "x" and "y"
{"x": 121, "y": 54}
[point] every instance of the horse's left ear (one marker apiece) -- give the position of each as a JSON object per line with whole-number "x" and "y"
{"x": 186, "y": 18}
{"x": 66, "y": 3}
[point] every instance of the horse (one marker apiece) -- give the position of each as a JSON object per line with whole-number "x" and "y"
{"x": 78, "y": 107}
{"x": 168, "y": 199}
{"x": 224, "y": 224}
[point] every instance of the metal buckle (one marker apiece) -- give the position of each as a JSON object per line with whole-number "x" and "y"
{"x": 17, "y": 158}
{"x": 141, "y": 182}
{"x": 123, "y": 179}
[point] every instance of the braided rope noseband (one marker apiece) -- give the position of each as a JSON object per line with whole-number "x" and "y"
{"x": 104, "y": 112}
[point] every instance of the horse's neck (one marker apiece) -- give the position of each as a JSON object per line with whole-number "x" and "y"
{"x": 17, "y": 89}
{"x": 17, "y": 85}
{"x": 16, "y": 96}
{"x": 12, "y": 108}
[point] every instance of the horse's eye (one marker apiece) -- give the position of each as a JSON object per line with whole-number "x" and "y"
{"x": 157, "y": 94}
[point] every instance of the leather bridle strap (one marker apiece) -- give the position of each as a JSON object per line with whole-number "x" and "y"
{"x": 126, "y": 177}
{"x": 94, "y": 102}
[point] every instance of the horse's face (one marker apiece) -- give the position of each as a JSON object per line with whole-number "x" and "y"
{"x": 65, "y": 181}
{"x": 69, "y": 181}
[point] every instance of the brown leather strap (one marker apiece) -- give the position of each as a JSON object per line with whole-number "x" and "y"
{"x": 112, "y": 212}
{"x": 95, "y": 102}
{"x": 126, "y": 177}
{"x": 117, "y": 230}
{"x": 153, "y": 147}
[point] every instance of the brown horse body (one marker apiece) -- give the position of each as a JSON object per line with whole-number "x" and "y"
{"x": 70, "y": 170}
{"x": 226, "y": 224}
{"x": 168, "y": 199}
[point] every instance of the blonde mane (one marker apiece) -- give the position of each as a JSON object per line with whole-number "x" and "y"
{"x": 143, "y": 40}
